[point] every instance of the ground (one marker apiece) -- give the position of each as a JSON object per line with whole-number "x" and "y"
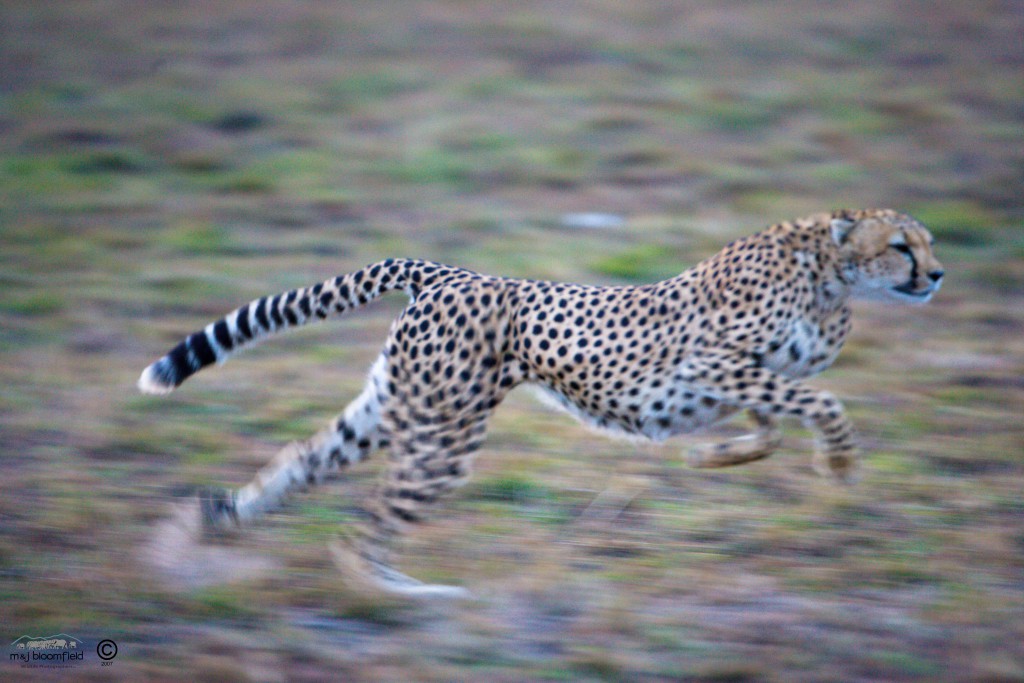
{"x": 162, "y": 163}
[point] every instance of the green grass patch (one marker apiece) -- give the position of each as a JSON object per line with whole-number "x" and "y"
{"x": 196, "y": 237}
{"x": 436, "y": 166}
{"x": 510, "y": 488}
{"x": 247, "y": 183}
{"x": 369, "y": 87}
{"x": 316, "y": 522}
{"x": 31, "y": 303}
{"x": 381, "y": 610}
{"x": 109, "y": 161}
{"x": 600, "y": 664}
{"x": 1003, "y": 277}
{"x": 230, "y": 603}
{"x": 480, "y": 142}
{"x": 962, "y": 223}
{"x": 909, "y": 664}
{"x": 736, "y": 117}
{"x": 48, "y": 176}
{"x": 640, "y": 264}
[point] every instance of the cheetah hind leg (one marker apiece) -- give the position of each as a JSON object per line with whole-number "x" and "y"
{"x": 363, "y": 555}
{"x": 350, "y": 438}
{"x": 427, "y": 461}
{"x": 762, "y": 443}
{"x": 295, "y": 468}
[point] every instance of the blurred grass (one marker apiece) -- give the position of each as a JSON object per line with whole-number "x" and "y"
{"x": 158, "y": 170}
{"x": 639, "y": 264}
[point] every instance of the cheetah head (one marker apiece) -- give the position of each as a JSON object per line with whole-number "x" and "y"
{"x": 885, "y": 254}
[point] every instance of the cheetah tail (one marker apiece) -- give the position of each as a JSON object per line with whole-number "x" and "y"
{"x": 262, "y": 317}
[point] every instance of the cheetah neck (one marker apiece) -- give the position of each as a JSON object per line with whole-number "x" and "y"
{"x": 814, "y": 248}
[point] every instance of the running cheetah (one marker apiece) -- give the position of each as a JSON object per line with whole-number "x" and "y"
{"x": 740, "y": 331}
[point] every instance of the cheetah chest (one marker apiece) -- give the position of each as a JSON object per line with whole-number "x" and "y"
{"x": 804, "y": 349}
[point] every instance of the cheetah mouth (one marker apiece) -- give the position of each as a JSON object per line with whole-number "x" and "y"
{"x": 906, "y": 290}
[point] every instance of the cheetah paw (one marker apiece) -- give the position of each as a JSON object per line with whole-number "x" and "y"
{"x": 362, "y": 573}
{"x": 217, "y": 511}
{"x": 841, "y": 469}
{"x": 738, "y": 451}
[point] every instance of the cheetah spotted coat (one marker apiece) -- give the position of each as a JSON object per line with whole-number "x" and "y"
{"x": 739, "y": 331}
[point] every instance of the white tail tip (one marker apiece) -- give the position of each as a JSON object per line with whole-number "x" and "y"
{"x": 151, "y": 382}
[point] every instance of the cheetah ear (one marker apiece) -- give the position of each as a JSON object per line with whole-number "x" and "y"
{"x": 841, "y": 227}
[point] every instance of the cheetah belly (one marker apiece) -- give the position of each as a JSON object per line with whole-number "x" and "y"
{"x": 554, "y": 399}
{"x": 658, "y": 415}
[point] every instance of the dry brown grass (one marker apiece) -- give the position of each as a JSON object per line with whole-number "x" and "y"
{"x": 161, "y": 163}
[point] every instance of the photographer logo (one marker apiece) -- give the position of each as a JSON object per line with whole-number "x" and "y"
{"x": 59, "y": 651}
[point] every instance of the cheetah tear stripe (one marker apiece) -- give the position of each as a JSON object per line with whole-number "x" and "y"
{"x": 262, "y": 317}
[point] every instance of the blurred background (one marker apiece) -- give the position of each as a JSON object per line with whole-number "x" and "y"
{"x": 163, "y": 162}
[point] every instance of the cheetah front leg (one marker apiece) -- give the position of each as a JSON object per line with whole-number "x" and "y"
{"x": 743, "y": 449}
{"x": 769, "y": 393}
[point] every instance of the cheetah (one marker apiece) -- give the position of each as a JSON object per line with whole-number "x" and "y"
{"x": 739, "y": 331}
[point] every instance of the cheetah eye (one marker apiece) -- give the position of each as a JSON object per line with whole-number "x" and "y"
{"x": 902, "y": 248}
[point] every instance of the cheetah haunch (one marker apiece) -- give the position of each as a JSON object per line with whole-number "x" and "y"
{"x": 739, "y": 331}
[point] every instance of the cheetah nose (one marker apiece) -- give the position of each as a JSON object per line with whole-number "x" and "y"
{"x": 936, "y": 275}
